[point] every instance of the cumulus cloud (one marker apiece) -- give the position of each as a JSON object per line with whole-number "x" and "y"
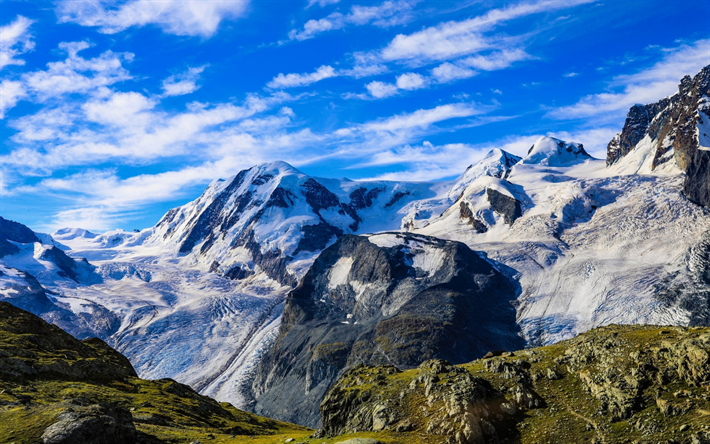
{"x": 388, "y": 13}
{"x": 448, "y": 72}
{"x": 184, "y": 83}
{"x": 381, "y": 90}
{"x": 293, "y": 80}
{"x": 76, "y": 74}
{"x": 15, "y": 40}
{"x": 646, "y": 86}
{"x": 410, "y": 81}
{"x": 179, "y": 17}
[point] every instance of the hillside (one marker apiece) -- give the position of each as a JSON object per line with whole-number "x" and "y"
{"x": 615, "y": 384}
{"x": 59, "y": 390}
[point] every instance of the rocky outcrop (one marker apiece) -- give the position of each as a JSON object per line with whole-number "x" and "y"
{"x": 390, "y": 298}
{"x": 95, "y": 424}
{"x": 506, "y": 206}
{"x": 468, "y": 408}
{"x": 676, "y": 128}
{"x": 615, "y": 384}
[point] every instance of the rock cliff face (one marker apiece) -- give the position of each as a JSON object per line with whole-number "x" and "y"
{"x": 390, "y": 298}
{"x": 615, "y": 384}
{"x": 674, "y": 129}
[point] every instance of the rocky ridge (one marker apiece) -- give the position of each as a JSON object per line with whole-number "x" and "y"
{"x": 674, "y": 129}
{"x": 615, "y": 384}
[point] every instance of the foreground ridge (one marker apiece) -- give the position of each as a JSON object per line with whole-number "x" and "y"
{"x": 613, "y": 384}
{"x": 59, "y": 390}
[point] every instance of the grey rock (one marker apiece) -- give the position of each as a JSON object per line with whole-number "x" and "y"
{"x": 96, "y": 424}
{"x": 506, "y": 206}
{"x": 394, "y": 314}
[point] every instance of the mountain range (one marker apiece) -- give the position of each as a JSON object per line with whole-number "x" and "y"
{"x": 272, "y": 284}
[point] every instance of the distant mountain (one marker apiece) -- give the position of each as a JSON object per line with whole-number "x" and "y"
{"x": 26, "y": 262}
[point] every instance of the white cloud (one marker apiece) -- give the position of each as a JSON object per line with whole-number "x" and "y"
{"x": 293, "y": 80}
{"x": 496, "y": 60}
{"x": 120, "y": 109}
{"x": 459, "y": 38}
{"x": 129, "y": 131}
{"x": 15, "y": 40}
{"x": 571, "y": 74}
{"x": 410, "y": 81}
{"x": 422, "y": 118}
{"x": 321, "y": 3}
{"x": 76, "y": 74}
{"x": 10, "y": 93}
{"x": 185, "y": 83}
{"x": 380, "y": 90}
{"x": 388, "y": 13}
{"x": 448, "y": 72}
{"x": 646, "y": 86}
{"x": 179, "y": 17}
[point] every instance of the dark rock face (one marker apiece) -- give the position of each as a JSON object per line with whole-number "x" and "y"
{"x": 361, "y": 303}
{"x": 506, "y": 206}
{"x": 96, "y": 424}
{"x": 697, "y": 181}
{"x": 16, "y": 232}
{"x": 672, "y": 123}
{"x": 61, "y": 260}
{"x": 466, "y": 214}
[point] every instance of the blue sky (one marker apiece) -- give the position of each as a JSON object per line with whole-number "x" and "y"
{"x": 115, "y": 111}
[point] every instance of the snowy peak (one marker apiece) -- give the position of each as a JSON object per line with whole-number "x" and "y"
{"x": 496, "y": 163}
{"x": 270, "y": 216}
{"x": 72, "y": 233}
{"x": 555, "y": 152}
{"x": 665, "y": 136}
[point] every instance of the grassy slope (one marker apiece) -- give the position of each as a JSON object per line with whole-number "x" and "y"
{"x": 43, "y": 370}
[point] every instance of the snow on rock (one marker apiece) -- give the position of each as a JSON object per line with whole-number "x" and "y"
{"x": 554, "y": 152}
{"x": 496, "y": 163}
{"x": 590, "y": 248}
{"x": 72, "y": 233}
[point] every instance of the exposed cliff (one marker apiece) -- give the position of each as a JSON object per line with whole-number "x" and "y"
{"x": 674, "y": 129}
{"x": 391, "y": 298}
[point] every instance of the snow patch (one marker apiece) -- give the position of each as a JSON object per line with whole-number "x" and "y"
{"x": 339, "y": 272}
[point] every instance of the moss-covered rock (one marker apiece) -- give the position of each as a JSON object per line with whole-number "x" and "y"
{"x": 616, "y": 384}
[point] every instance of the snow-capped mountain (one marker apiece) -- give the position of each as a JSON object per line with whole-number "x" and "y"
{"x": 199, "y": 297}
{"x": 671, "y": 134}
